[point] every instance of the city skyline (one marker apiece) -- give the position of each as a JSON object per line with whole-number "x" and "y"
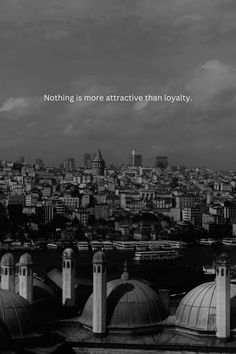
{"x": 117, "y": 47}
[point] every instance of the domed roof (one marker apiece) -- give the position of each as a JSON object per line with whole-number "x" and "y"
{"x": 7, "y": 259}
{"x": 68, "y": 253}
{"x": 16, "y": 314}
{"x": 98, "y": 156}
{"x": 131, "y": 305}
{"x": 197, "y": 310}
{"x": 25, "y": 259}
{"x": 5, "y": 338}
{"x": 99, "y": 257}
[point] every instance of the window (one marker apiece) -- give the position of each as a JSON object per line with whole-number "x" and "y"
{"x": 24, "y": 272}
{"x": 222, "y": 272}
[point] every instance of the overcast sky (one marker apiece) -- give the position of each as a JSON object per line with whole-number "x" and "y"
{"x": 119, "y": 47}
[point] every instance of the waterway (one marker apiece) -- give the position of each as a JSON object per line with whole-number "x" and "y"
{"x": 177, "y": 275}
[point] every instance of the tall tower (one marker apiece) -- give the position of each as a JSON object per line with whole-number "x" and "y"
{"x": 135, "y": 159}
{"x": 223, "y": 297}
{"x": 98, "y": 164}
{"x": 68, "y": 278}
{"x": 26, "y": 277}
{"x": 8, "y": 272}
{"x": 99, "y": 294}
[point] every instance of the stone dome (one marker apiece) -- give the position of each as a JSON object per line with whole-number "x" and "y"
{"x": 132, "y": 306}
{"x": 7, "y": 259}
{"x": 16, "y": 314}
{"x": 5, "y": 339}
{"x": 25, "y": 259}
{"x": 197, "y": 310}
{"x": 68, "y": 253}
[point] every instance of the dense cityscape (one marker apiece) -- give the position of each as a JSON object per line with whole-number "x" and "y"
{"x": 66, "y": 231}
{"x": 68, "y": 204}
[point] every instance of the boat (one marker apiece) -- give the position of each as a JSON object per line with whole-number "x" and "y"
{"x": 209, "y": 270}
{"x": 124, "y": 245}
{"x": 208, "y": 241}
{"x": 96, "y": 245}
{"x": 156, "y": 255}
{"x": 107, "y": 245}
{"x": 83, "y": 246}
{"x": 229, "y": 241}
{"x": 167, "y": 244}
{"x": 52, "y": 245}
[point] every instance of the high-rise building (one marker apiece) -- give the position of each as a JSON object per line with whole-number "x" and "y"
{"x": 135, "y": 159}
{"x": 161, "y": 162}
{"x": 70, "y": 164}
{"x": 87, "y": 160}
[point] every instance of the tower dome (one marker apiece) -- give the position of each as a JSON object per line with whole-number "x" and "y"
{"x": 17, "y": 315}
{"x": 132, "y": 306}
{"x": 98, "y": 156}
{"x": 98, "y": 164}
{"x": 68, "y": 253}
{"x": 197, "y": 310}
{"x": 99, "y": 257}
{"x": 25, "y": 259}
{"x": 8, "y": 260}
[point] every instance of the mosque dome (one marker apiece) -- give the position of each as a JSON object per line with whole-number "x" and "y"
{"x": 197, "y": 310}
{"x": 7, "y": 259}
{"x": 5, "y": 339}
{"x": 16, "y": 314}
{"x": 132, "y": 306}
{"x": 25, "y": 259}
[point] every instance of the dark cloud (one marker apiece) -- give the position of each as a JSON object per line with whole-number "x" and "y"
{"x": 121, "y": 47}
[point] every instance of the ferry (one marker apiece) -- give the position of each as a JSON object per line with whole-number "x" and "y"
{"x": 156, "y": 255}
{"x": 208, "y": 241}
{"x": 124, "y": 245}
{"x": 96, "y": 245}
{"x": 54, "y": 245}
{"x": 167, "y": 244}
{"x": 107, "y": 245}
{"x": 229, "y": 241}
{"x": 83, "y": 246}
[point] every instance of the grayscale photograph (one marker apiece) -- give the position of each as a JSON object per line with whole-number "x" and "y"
{"x": 117, "y": 176}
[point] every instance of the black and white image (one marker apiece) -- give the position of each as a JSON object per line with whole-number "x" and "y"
{"x": 117, "y": 176}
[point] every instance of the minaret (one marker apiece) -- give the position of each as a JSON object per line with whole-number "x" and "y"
{"x": 8, "y": 272}
{"x": 68, "y": 278}
{"x": 223, "y": 297}
{"x": 99, "y": 294}
{"x": 26, "y": 277}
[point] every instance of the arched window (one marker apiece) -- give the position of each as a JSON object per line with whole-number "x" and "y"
{"x": 68, "y": 264}
{"x": 222, "y": 272}
{"x": 99, "y": 269}
{"x": 5, "y": 271}
{"x": 24, "y": 272}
